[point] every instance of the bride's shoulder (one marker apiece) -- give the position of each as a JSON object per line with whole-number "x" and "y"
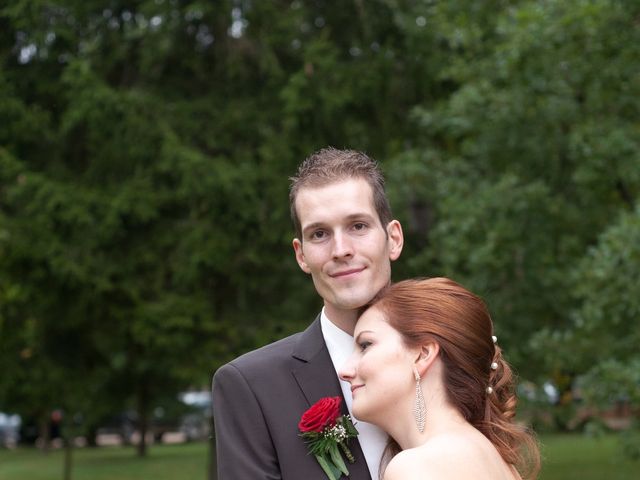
{"x": 405, "y": 466}
{"x": 445, "y": 456}
{"x": 419, "y": 463}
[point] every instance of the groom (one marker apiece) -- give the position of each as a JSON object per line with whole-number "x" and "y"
{"x": 345, "y": 239}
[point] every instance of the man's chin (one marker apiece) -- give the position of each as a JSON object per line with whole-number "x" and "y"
{"x": 355, "y": 303}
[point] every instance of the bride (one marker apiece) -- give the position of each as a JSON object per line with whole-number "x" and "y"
{"x": 427, "y": 369}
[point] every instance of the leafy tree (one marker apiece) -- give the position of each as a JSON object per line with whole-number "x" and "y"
{"x": 145, "y": 146}
{"x": 600, "y": 343}
{"x": 144, "y": 165}
{"x": 540, "y": 129}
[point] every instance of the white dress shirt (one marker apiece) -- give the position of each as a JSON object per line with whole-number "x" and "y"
{"x": 372, "y": 439}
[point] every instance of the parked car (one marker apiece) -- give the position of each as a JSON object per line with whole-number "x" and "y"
{"x": 123, "y": 425}
{"x": 188, "y": 414}
{"x": 9, "y": 430}
{"x": 196, "y": 425}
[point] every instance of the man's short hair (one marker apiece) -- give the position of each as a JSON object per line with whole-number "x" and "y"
{"x": 331, "y": 165}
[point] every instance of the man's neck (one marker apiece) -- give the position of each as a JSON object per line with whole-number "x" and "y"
{"x": 345, "y": 320}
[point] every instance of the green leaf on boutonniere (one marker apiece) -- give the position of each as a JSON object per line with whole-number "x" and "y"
{"x": 327, "y": 433}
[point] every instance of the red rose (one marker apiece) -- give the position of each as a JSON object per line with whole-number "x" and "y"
{"x": 322, "y": 414}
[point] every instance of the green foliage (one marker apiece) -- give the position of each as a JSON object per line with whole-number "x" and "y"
{"x": 145, "y": 149}
{"x": 533, "y": 153}
{"x": 143, "y": 203}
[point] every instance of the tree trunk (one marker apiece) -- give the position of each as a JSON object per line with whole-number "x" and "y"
{"x": 143, "y": 424}
{"x": 44, "y": 433}
{"x": 211, "y": 474}
{"x": 68, "y": 450}
{"x": 92, "y": 437}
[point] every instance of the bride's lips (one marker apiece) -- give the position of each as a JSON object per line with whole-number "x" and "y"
{"x": 355, "y": 387}
{"x": 346, "y": 273}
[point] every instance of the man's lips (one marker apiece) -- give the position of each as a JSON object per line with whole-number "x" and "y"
{"x": 346, "y": 273}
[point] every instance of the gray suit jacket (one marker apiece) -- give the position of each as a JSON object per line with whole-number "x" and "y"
{"x": 258, "y": 400}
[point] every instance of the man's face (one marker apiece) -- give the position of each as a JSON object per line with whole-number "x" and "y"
{"x": 344, "y": 247}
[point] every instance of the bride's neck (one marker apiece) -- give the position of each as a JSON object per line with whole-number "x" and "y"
{"x": 441, "y": 417}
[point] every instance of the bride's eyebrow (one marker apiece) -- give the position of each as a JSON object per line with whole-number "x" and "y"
{"x": 364, "y": 331}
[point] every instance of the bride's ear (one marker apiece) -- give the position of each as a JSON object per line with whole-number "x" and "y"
{"x": 426, "y": 356}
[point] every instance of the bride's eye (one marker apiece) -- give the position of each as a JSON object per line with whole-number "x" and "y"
{"x": 364, "y": 345}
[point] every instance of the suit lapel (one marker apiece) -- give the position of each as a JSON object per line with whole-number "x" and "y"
{"x": 317, "y": 378}
{"x": 314, "y": 372}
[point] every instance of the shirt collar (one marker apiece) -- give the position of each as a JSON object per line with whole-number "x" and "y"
{"x": 339, "y": 343}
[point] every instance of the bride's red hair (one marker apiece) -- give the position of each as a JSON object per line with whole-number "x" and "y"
{"x": 440, "y": 310}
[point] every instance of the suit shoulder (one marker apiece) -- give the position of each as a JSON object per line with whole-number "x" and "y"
{"x": 268, "y": 355}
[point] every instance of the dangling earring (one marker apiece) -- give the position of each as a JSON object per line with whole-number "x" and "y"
{"x": 419, "y": 407}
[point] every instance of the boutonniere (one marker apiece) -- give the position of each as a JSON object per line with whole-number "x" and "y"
{"x": 326, "y": 433}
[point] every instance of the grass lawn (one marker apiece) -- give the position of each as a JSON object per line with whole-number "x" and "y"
{"x": 569, "y": 457}
{"x": 164, "y": 462}
{"x": 566, "y": 457}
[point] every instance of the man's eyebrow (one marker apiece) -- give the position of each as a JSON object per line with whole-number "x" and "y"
{"x": 360, "y": 215}
{"x": 349, "y": 218}
{"x": 313, "y": 226}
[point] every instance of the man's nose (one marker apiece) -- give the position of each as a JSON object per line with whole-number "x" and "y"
{"x": 342, "y": 245}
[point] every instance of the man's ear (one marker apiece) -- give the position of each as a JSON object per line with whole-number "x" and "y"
{"x": 426, "y": 356}
{"x": 395, "y": 238}
{"x": 297, "y": 248}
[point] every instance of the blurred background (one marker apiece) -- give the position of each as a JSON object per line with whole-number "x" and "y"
{"x": 145, "y": 239}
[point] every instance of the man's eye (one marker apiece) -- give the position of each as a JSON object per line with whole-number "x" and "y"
{"x": 317, "y": 235}
{"x": 359, "y": 226}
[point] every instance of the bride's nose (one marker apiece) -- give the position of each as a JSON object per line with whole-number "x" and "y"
{"x": 348, "y": 370}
